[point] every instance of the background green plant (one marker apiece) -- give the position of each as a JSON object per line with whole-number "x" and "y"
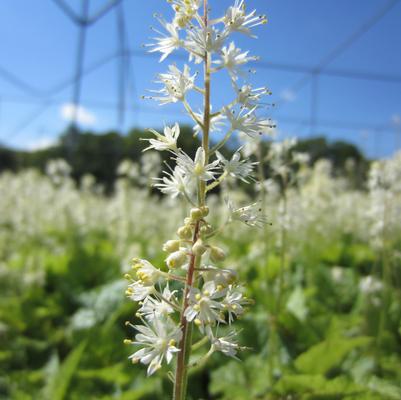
{"x": 64, "y": 248}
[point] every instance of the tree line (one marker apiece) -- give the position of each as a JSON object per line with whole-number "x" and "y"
{"x": 99, "y": 154}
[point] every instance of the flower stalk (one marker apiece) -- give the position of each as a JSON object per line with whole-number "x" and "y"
{"x": 208, "y": 296}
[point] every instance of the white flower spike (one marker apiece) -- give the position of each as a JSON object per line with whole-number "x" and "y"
{"x": 205, "y": 293}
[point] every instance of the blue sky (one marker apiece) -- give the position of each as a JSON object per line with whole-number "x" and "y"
{"x": 38, "y": 46}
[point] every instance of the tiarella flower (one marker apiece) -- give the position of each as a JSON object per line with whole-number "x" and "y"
{"x": 249, "y": 97}
{"x": 173, "y": 184}
{"x": 200, "y": 40}
{"x": 233, "y": 303}
{"x": 204, "y": 308}
{"x": 166, "y": 43}
{"x": 236, "y": 20}
{"x": 281, "y": 149}
{"x": 250, "y": 215}
{"x": 226, "y": 344}
{"x": 247, "y": 122}
{"x": 197, "y": 168}
{"x": 232, "y": 59}
{"x": 158, "y": 340}
{"x": 176, "y": 85}
{"x": 185, "y": 10}
{"x": 219, "y": 276}
{"x": 370, "y": 284}
{"x": 250, "y": 146}
{"x": 168, "y": 141}
{"x": 146, "y": 272}
{"x": 137, "y": 291}
{"x": 154, "y": 309}
{"x": 237, "y": 168}
{"x": 216, "y": 122}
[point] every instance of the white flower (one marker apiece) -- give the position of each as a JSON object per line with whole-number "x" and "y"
{"x": 370, "y": 284}
{"x": 249, "y": 215}
{"x": 247, "y": 122}
{"x": 281, "y": 149}
{"x": 146, "y": 273}
{"x": 233, "y": 59}
{"x": 233, "y": 303}
{"x": 197, "y": 168}
{"x": 337, "y": 274}
{"x": 185, "y": 10}
{"x": 128, "y": 168}
{"x": 173, "y": 184}
{"x": 166, "y": 43}
{"x": 216, "y": 122}
{"x": 203, "y": 308}
{"x": 237, "y": 168}
{"x": 226, "y": 344}
{"x": 159, "y": 339}
{"x": 153, "y": 309}
{"x": 176, "y": 85}
{"x": 249, "y": 97}
{"x": 137, "y": 291}
{"x": 250, "y": 145}
{"x": 219, "y": 276}
{"x": 168, "y": 141}
{"x": 200, "y": 40}
{"x": 301, "y": 158}
{"x": 236, "y": 20}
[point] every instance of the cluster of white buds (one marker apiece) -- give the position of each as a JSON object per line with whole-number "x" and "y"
{"x": 204, "y": 294}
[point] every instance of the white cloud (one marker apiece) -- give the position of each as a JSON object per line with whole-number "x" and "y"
{"x": 288, "y": 95}
{"x": 40, "y": 143}
{"x": 396, "y": 119}
{"x": 70, "y": 111}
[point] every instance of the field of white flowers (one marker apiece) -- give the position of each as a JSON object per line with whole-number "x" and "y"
{"x": 323, "y": 273}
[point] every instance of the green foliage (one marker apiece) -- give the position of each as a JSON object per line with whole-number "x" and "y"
{"x": 61, "y": 376}
{"x": 63, "y": 311}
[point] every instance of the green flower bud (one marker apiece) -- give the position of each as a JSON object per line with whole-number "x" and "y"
{"x": 171, "y": 245}
{"x": 176, "y": 259}
{"x": 196, "y": 214}
{"x": 199, "y": 248}
{"x": 217, "y": 254}
{"x": 205, "y": 211}
{"x": 184, "y": 232}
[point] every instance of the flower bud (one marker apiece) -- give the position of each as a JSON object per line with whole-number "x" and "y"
{"x": 205, "y": 211}
{"x": 196, "y": 214}
{"x": 184, "y": 232}
{"x": 171, "y": 245}
{"x": 176, "y": 259}
{"x": 217, "y": 254}
{"x": 206, "y": 229}
{"x": 199, "y": 248}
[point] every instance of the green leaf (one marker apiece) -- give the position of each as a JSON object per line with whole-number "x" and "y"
{"x": 324, "y": 356}
{"x": 113, "y": 374}
{"x": 318, "y": 387}
{"x": 296, "y": 304}
{"x": 385, "y": 388}
{"x": 58, "y": 386}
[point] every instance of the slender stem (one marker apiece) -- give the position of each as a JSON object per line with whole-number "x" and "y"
{"x": 181, "y": 375}
{"x": 192, "y": 114}
{"x": 186, "y": 328}
{"x": 222, "y": 142}
{"x": 217, "y": 181}
{"x": 283, "y": 248}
